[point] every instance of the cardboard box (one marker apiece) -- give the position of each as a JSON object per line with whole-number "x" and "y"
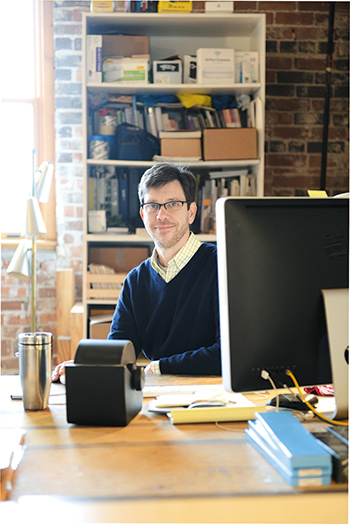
{"x": 99, "y": 47}
{"x": 181, "y": 147}
{"x": 130, "y": 70}
{"x": 124, "y": 45}
{"x": 167, "y": 72}
{"x": 176, "y": 7}
{"x": 247, "y": 67}
{"x": 121, "y": 259}
{"x": 229, "y": 144}
{"x": 215, "y": 66}
{"x": 99, "y": 326}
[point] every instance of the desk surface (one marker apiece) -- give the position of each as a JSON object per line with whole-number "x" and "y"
{"x": 151, "y": 470}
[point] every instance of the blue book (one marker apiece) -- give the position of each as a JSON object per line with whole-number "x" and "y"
{"x": 293, "y": 443}
{"x": 300, "y": 477}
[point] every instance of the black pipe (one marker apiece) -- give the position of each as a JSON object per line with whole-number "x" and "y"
{"x": 329, "y": 68}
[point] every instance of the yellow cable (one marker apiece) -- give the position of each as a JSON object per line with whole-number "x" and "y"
{"x": 310, "y": 406}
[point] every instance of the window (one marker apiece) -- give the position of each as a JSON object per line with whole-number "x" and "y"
{"x": 25, "y": 33}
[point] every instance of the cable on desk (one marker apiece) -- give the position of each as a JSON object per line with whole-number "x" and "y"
{"x": 310, "y": 406}
{"x": 266, "y": 376}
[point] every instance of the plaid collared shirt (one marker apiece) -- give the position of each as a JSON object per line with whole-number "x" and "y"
{"x": 178, "y": 262}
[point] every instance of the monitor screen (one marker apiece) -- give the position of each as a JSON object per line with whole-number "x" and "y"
{"x": 275, "y": 255}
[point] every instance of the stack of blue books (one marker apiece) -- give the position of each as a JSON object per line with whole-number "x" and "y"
{"x": 295, "y": 453}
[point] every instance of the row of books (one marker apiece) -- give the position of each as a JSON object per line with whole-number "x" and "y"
{"x": 168, "y": 117}
{"x": 114, "y": 190}
{"x": 220, "y": 184}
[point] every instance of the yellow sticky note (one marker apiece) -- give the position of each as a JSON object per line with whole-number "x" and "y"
{"x": 317, "y": 194}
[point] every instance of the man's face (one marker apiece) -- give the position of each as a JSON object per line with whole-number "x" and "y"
{"x": 168, "y": 229}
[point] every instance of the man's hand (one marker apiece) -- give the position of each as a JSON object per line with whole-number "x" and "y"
{"x": 148, "y": 370}
{"x": 152, "y": 368}
{"x": 59, "y": 370}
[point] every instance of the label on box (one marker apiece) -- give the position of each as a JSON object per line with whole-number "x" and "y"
{"x": 97, "y": 221}
{"x": 167, "y": 72}
{"x": 219, "y": 7}
{"x": 94, "y": 58}
{"x": 190, "y": 69}
{"x": 129, "y": 70}
{"x": 215, "y": 66}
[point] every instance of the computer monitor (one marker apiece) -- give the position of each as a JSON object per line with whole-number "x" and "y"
{"x": 275, "y": 256}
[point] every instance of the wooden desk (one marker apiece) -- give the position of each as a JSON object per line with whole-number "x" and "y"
{"x": 150, "y": 471}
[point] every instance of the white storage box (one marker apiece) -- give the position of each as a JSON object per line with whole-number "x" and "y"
{"x": 167, "y": 72}
{"x": 219, "y": 7}
{"x": 215, "y": 66}
{"x": 130, "y": 70}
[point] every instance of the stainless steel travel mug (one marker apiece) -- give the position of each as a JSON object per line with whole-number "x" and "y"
{"x": 35, "y": 366}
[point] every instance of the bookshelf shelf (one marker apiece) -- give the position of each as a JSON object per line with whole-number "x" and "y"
{"x": 155, "y": 89}
{"x": 201, "y": 163}
{"x": 170, "y": 34}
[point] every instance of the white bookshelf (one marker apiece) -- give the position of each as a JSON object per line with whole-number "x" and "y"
{"x": 172, "y": 34}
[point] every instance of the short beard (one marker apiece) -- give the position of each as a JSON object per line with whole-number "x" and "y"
{"x": 174, "y": 240}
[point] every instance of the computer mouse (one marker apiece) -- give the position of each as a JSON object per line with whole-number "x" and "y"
{"x": 291, "y": 401}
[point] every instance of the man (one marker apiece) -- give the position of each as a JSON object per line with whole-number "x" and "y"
{"x": 168, "y": 306}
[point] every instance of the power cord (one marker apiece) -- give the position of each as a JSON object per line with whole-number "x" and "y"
{"x": 310, "y": 406}
{"x": 266, "y": 376}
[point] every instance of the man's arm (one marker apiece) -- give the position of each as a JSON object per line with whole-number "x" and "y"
{"x": 201, "y": 361}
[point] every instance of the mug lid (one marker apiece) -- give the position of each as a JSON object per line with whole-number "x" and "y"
{"x": 35, "y": 338}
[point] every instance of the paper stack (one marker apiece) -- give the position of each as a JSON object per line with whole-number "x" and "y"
{"x": 290, "y": 448}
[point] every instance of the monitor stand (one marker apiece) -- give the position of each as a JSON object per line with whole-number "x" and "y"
{"x": 336, "y": 302}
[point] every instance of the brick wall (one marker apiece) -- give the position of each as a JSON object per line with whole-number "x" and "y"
{"x": 295, "y": 86}
{"x": 296, "y": 60}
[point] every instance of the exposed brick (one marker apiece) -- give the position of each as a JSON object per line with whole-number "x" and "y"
{"x": 295, "y": 18}
{"x": 280, "y": 90}
{"x": 310, "y": 33}
{"x": 246, "y": 6}
{"x": 63, "y": 43}
{"x": 310, "y": 91}
{"x": 296, "y": 147}
{"x": 307, "y": 47}
{"x": 278, "y": 6}
{"x": 286, "y": 160}
{"x": 313, "y": 6}
{"x": 279, "y": 63}
{"x": 288, "y": 47}
{"x": 289, "y": 77}
{"x": 310, "y": 64}
{"x": 63, "y": 74}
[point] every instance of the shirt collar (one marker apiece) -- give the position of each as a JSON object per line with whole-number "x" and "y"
{"x": 179, "y": 261}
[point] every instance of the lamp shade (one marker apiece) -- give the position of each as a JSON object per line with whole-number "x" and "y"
{"x": 34, "y": 220}
{"x": 42, "y": 180}
{"x": 19, "y": 266}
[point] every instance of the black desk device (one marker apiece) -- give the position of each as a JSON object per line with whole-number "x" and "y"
{"x": 103, "y": 385}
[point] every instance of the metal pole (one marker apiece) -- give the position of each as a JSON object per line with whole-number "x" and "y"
{"x": 329, "y": 68}
{"x": 33, "y": 286}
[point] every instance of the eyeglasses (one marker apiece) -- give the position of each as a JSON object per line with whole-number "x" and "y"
{"x": 171, "y": 207}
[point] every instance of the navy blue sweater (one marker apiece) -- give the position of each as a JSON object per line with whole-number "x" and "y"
{"x": 177, "y": 322}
